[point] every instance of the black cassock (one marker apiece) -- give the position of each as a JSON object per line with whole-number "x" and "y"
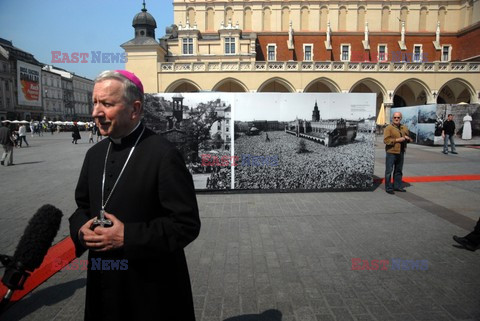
{"x": 155, "y": 199}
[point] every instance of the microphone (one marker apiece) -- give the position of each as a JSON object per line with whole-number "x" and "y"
{"x": 31, "y": 249}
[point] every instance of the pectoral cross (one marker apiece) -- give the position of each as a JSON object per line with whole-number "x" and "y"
{"x": 101, "y": 220}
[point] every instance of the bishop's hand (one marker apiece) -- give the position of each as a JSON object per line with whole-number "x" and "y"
{"x": 106, "y": 238}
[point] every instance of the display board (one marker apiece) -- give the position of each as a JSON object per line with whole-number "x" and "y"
{"x": 270, "y": 141}
{"x": 425, "y": 122}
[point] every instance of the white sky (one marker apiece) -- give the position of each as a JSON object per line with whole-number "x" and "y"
{"x": 288, "y": 106}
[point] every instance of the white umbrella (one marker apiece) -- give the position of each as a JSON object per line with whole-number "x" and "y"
{"x": 6, "y": 121}
{"x": 80, "y": 123}
{"x": 58, "y": 122}
{"x": 24, "y": 122}
{"x": 16, "y": 122}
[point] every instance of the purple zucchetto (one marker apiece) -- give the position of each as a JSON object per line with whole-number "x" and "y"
{"x": 131, "y": 76}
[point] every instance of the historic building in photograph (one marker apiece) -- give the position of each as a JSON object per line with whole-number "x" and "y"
{"x": 408, "y": 53}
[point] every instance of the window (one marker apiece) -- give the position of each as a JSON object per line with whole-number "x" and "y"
{"x": 271, "y": 52}
{"x": 229, "y": 45}
{"x": 187, "y": 46}
{"x": 382, "y": 53}
{"x": 7, "y": 87}
{"x": 446, "y": 51}
{"x": 307, "y": 51}
{"x": 417, "y": 53}
{"x": 345, "y": 56}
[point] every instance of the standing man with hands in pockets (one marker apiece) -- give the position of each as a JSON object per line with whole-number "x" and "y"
{"x": 395, "y": 137}
{"x": 136, "y": 204}
{"x": 448, "y": 132}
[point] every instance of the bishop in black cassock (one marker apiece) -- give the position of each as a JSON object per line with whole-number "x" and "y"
{"x": 155, "y": 201}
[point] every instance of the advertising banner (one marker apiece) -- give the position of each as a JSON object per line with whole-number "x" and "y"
{"x": 29, "y": 84}
{"x": 270, "y": 141}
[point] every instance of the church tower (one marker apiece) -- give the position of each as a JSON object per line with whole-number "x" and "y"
{"x": 143, "y": 51}
{"x": 144, "y": 24}
{"x": 316, "y": 113}
{"x": 178, "y": 108}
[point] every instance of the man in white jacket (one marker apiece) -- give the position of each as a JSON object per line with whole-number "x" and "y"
{"x": 22, "y": 134}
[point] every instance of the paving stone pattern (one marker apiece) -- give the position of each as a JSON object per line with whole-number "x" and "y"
{"x": 284, "y": 256}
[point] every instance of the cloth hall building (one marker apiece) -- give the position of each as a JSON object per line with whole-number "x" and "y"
{"x": 407, "y": 52}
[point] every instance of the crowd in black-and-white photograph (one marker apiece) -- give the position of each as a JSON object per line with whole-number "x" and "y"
{"x": 280, "y": 141}
{"x": 313, "y": 166}
{"x": 315, "y": 137}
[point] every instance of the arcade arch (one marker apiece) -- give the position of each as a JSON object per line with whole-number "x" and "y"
{"x": 230, "y": 85}
{"x": 276, "y": 85}
{"x": 182, "y": 86}
{"x": 456, "y": 91}
{"x": 322, "y": 85}
{"x": 412, "y": 92}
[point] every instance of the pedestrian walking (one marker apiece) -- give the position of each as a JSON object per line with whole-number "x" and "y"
{"x": 7, "y": 142}
{"x": 470, "y": 241}
{"x": 22, "y": 135}
{"x": 75, "y": 133}
{"x": 90, "y": 135}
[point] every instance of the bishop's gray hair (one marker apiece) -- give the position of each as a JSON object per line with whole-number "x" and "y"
{"x": 131, "y": 92}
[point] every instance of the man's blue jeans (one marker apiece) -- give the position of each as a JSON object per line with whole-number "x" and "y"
{"x": 393, "y": 163}
{"x": 452, "y": 143}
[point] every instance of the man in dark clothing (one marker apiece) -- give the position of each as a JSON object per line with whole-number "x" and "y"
{"x": 139, "y": 182}
{"x": 448, "y": 132}
{"x": 7, "y": 144}
{"x": 471, "y": 241}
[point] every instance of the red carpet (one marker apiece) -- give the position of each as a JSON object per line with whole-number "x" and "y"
{"x": 430, "y": 179}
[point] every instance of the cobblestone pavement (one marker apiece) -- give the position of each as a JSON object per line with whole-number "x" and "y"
{"x": 285, "y": 256}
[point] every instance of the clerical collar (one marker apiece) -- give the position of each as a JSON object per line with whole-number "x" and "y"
{"x": 118, "y": 141}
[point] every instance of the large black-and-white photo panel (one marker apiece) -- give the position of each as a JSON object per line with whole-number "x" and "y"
{"x": 427, "y": 123}
{"x": 199, "y": 125}
{"x": 321, "y": 141}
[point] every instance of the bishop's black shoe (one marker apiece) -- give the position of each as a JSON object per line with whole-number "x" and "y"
{"x": 400, "y": 190}
{"x": 465, "y": 243}
{"x": 389, "y": 191}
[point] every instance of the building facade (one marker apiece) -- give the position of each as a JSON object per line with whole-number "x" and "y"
{"x": 13, "y": 108}
{"x": 62, "y": 95}
{"x": 82, "y": 98}
{"x": 408, "y": 53}
{"x": 7, "y": 82}
{"x": 54, "y": 108}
